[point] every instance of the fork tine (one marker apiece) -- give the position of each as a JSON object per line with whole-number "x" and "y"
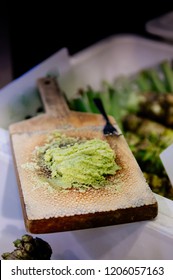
{"x": 108, "y": 129}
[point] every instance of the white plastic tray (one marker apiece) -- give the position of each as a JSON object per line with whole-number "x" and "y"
{"x": 142, "y": 240}
{"x": 122, "y": 54}
{"x": 162, "y": 26}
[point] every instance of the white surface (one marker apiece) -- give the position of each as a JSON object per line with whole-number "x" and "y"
{"x": 142, "y": 240}
{"x": 162, "y": 26}
{"x": 167, "y": 159}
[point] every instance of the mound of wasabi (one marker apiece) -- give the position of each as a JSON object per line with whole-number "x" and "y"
{"x": 79, "y": 164}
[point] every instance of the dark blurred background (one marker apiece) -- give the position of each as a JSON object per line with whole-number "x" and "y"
{"x": 35, "y": 33}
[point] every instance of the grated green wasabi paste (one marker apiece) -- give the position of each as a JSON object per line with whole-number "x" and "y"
{"x": 79, "y": 164}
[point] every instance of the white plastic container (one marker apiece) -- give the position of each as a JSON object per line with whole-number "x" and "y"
{"x": 117, "y": 55}
{"x": 162, "y": 26}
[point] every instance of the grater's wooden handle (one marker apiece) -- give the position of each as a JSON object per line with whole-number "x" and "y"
{"x": 53, "y": 99}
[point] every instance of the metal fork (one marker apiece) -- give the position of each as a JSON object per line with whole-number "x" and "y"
{"x": 108, "y": 129}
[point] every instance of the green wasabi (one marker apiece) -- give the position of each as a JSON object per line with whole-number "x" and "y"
{"x": 81, "y": 164}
